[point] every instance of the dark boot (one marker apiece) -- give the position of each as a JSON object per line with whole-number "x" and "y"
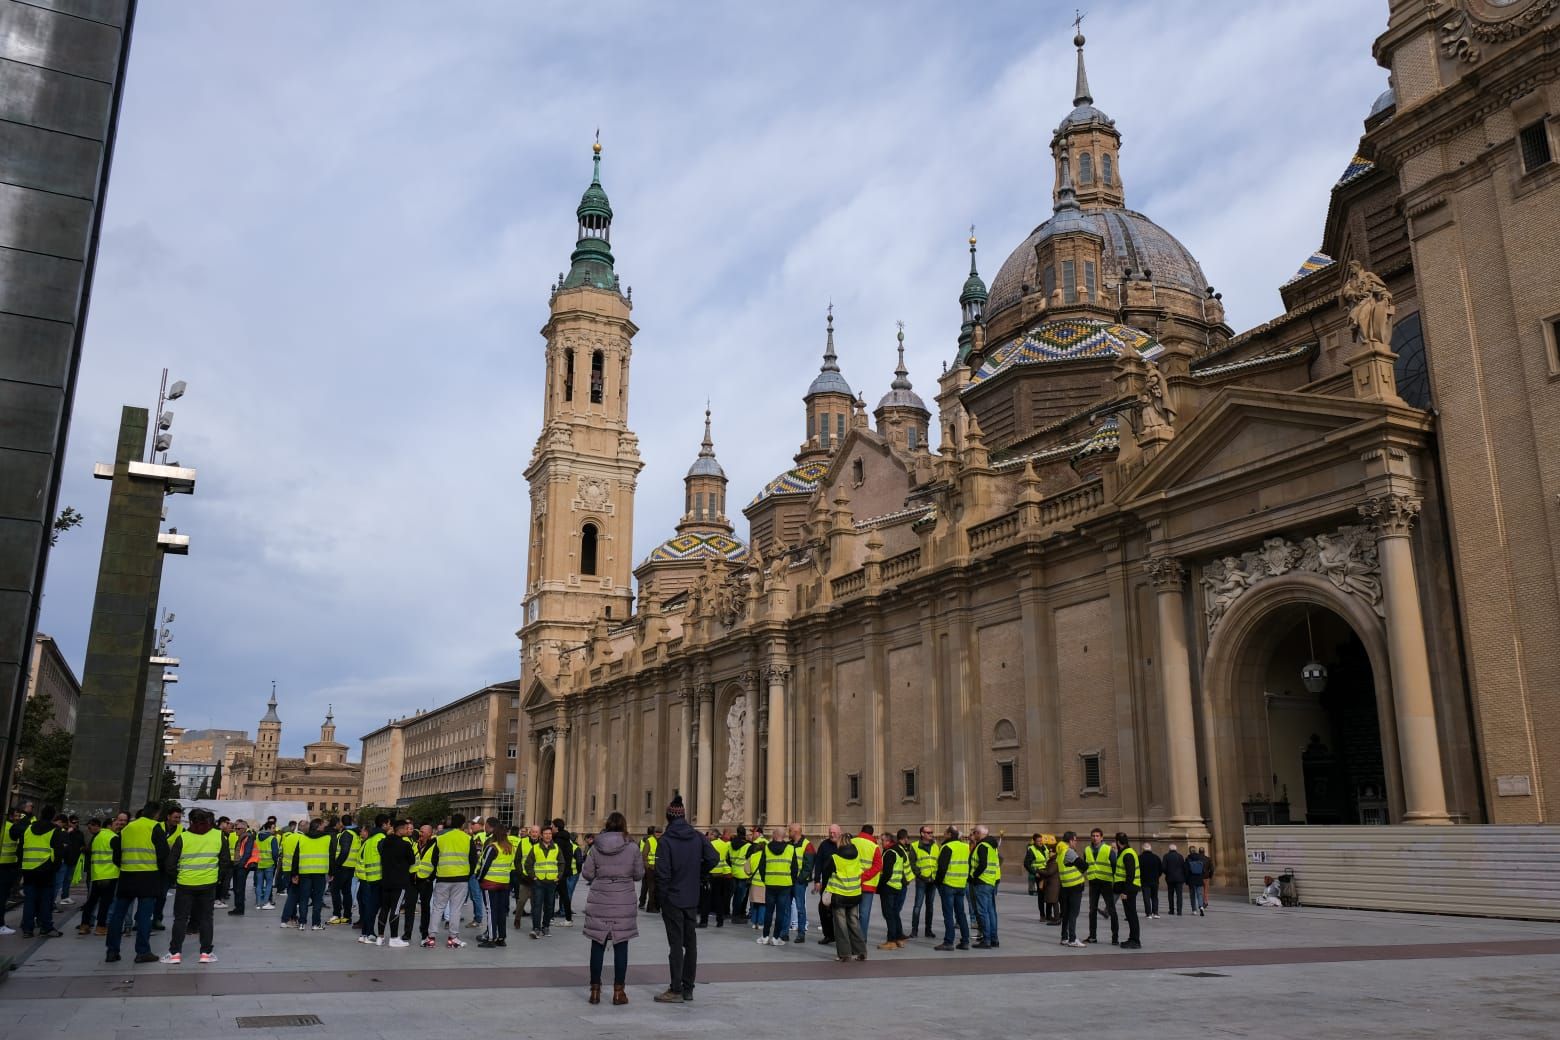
{"x": 595, "y": 993}
{"x": 619, "y": 995}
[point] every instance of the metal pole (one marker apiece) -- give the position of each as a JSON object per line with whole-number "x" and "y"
{"x": 151, "y": 449}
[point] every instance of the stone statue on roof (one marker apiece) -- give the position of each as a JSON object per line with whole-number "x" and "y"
{"x": 1370, "y": 307}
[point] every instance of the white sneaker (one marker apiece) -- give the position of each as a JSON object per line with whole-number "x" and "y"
{"x": 382, "y": 941}
{"x": 208, "y": 958}
{"x": 7, "y": 931}
{"x": 67, "y": 901}
{"x": 219, "y": 904}
{"x": 366, "y": 940}
{"x": 566, "y": 923}
{"x": 763, "y": 940}
{"x": 317, "y": 928}
{"x": 171, "y": 958}
{"x": 398, "y": 943}
{"x": 285, "y": 924}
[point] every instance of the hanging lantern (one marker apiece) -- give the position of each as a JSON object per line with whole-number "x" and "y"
{"x": 1314, "y": 677}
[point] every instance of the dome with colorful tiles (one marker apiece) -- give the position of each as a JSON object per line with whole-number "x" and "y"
{"x": 695, "y": 546}
{"x": 1105, "y": 438}
{"x": 1066, "y": 339}
{"x": 802, "y": 480}
{"x": 1316, "y": 262}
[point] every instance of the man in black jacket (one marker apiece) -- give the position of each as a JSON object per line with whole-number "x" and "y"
{"x": 1174, "y": 865}
{"x": 571, "y": 872}
{"x": 1152, "y": 870}
{"x": 40, "y": 849}
{"x": 341, "y": 875}
{"x": 823, "y": 866}
{"x": 683, "y": 860}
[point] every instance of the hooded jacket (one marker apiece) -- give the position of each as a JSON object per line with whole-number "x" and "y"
{"x": 613, "y": 869}
{"x": 685, "y": 857}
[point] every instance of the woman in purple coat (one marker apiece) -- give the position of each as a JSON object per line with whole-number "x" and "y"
{"x": 613, "y": 871}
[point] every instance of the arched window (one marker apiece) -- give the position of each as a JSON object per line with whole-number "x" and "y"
{"x": 1005, "y": 735}
{"x": 588, "y": 549}
{"x": 915, "y": 438}
{"x": 568, "y": 375}
{"x": 1105, "y": 168}
{"x": 1085, "y": 168}
{"x": 597, "y": 376}
{"x": 858, "y": 472}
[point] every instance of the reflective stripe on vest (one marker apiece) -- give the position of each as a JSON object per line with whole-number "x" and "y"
{"x": 545, "y": 865}
{"x": 778, "y": 866}
{"x": 866, "y": 849}
{"x": 899, "y": 877}
{"x": 1037, "y": 857}
{"x": 958, "y": 875}
{"x": 1099, "y": 862}
{"x": 721, "y": 867}
{"x": 1131, "y": 875}
{"x": 649, "y": 847}
{"x": 103, "y": 868}
{"x": 137, "y": 854}
{"x": 503, "y": 866}
{"x": 454, "y": 855}
{"x": 198, "y": 858}
{"x": 313, "y": 856}
{"x": 846, "y": 879}
{"x": 422, "y": 867}
{"x": 354, "y": 854}
{"x": 369, "y": 867}
{"x": 1068, "y": 873}
{"x": 267, "y": 852}
{"x": 736, "y": 855}
{"x": 10, "y": 848}
{"x": 37, "y": 849}
{"x": 926, "y": 861}
{"x": 993, "y": 872}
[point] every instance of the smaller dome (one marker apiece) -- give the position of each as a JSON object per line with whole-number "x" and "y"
{"x": 706, "y": 466}
{"x": 802, "y": 480}
{"x": 1387, "y": 99}
{"x": 1066, "y": 339}
{"x": 1084, "y": 114}
{"x": 902, "y": 399}
{"x": 829, "y": 381}
{"x": 697, "y": 547}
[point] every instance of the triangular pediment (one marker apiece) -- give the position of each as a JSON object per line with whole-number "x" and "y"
{"x": 537, "y": 697}
{"x": 1244, "y": 428}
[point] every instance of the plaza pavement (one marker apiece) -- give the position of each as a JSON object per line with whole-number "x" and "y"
{"x": 1240, "y": 971}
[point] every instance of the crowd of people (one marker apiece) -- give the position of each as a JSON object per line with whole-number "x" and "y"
{"x": 386, "y": 877}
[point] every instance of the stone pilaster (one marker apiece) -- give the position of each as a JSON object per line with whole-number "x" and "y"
{"x": 1175, "y": 685}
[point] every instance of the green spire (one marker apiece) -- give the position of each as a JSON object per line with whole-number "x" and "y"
{"x": 972, "y": 304}
{"x": 591, "y": 261}
{"x": 974, "y": 287}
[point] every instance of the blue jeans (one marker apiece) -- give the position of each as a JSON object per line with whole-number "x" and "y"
{"x": 739, "y": 897}
{"x": 240, "y": 882}
{"x": 925, "y": 892}
{"x": 265, "y": 880}
{"x": 62, "y": 878}
{"x": 799, "y": 898}
{"x": 985, "y": 899}
{"x": 893, "y": 907}
{"x": 143, "y": 923}
{"x": 866, "y": 913}
{"x": 758, "y": 912}
{"x": 474, "y": 896}
{"x": 776, "y": 921}
{"x": 368, "y": 906}
{"x": 952, "y": 910}
{"x": 38, "y": 906}
{"x": 311, "y": 897}
{"x": 1197, "y": 895}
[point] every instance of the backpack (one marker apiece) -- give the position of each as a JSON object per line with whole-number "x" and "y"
{"x": 1194, "y": 867}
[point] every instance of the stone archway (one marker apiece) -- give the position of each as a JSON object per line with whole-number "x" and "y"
{"x": 1236, "y": 724}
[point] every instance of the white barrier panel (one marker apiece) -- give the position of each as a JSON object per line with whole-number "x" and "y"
{"x": 251, "y": 812}
{"x": 1476, "y": 870}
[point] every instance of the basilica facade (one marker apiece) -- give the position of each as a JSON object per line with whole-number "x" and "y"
{"x": 1128, "y": 567}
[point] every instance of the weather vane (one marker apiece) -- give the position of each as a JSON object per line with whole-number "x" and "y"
{"x": 1077, "y": 20}
{"x": 901, "y": 325}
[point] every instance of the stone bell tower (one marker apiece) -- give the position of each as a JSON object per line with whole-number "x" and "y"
{"x": 585, "y": 464}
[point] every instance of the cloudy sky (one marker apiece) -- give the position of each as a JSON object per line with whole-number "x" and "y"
{"x": 338, "y": 223}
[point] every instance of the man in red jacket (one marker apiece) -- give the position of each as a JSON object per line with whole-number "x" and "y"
{"x": 867, "y": 849}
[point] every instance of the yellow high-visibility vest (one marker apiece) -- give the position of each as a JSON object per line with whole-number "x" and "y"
{"x": 958, "y": 875}
{"x": 846, "y": 879}
{"x": 454, "y": 855}
{"x": 422, "y": 865}
{"x": 267, "y": 851}
{"x": 198, "y": 858}
{"x": 899, "y": 877}
{"x": 1068, "y": 873}
{"x": 545, "y": 862}
{"x": 137, "y": 854}
{"x": 721, "y": 867}
{"x": 1129, "y": 874}
{"x": 503, "y": 866}
{"x": 369, "y": 867}
{"x": 102, "y": 853}
{"x": 37, "y": 849}
{"x": 778, "y": 866}
{"x": 1098, "y": 859}
{"x": 10, "y": 848}
{"x": 993, "y": 872}
{"x": 736, "y": 856}
{"x": 1037, "y": 857}
{"x": 313, "y": 856}
{"x": 926, "y": 860}
{"x": 648, "y": 848}
{"x": 866, "y": 849}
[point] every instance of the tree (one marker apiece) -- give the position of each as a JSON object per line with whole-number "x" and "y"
{"x": 67, "y": 519}
{"x": 43, "y": 752}
{"x": 431, "y": 809}
{"x": 204, "y": 791}
{"x": 216, "y": 782}
{"x": 170, "y": 787}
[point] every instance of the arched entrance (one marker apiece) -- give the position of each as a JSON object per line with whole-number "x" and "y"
{"x": 1283, "y": 749}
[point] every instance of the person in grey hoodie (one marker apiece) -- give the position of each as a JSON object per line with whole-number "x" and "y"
{"x": 613, "y": 869}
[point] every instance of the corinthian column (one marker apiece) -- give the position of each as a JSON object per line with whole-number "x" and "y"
{"x": 560, "y": 767}
{"x": 777, "y": 765}
{"x": 1419, "y": 746}
{"x": 685, "y": 741}
{"x": 1175, "y": 685}
{"x": 533, "y": 772}
{"x": 703, "y": 803}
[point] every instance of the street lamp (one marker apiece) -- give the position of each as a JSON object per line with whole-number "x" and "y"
{"x": 163, "y": 440}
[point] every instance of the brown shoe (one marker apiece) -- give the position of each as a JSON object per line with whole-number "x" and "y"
{"x": 899, "y": 944}
{"x": 619, "y": 994}
{"x": 888, "y": 946}
{"x": 670, "y": 996}
{"x": 595, "y": 993}
{"x": 100, "y": 930}
{"x": 83, "y": 929}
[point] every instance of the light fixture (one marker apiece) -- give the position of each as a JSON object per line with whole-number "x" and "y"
{"x": 165, "y": 420}
{"x": 176, "y": 391}
{"x": 1314, "y": 675}
{"x": 163, "y": 442}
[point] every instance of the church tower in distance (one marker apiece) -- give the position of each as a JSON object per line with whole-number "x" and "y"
{"x": 268, "y": 739}
{"x": 583, "y": 469}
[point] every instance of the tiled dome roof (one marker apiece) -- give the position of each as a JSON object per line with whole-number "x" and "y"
{"x": 1066, "y": 339}
{"x": 698, "y": 546}
{"x": 1132, "y": 242}
{"x": 1316, "y": 262}
{"x": 803, "y": 480}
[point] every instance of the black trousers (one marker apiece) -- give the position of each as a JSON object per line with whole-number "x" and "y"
{"x": 1103, "y": 890}
{"x": 648, "y": 899}
{"x": 192, "y": 912}
{"x": 682, "y": 947}
{"x": 717, "y": 899}
{"x": 1129, "y": 908}
{"x": 341, "y": 893}
{"x": 1173, "y": 898}
{"x": 1151, "y": 899}
{"x": 825, "y": 921}
{"x": 1072, "y": 903}
{"x": 224, "y": 879}
{"x": 424, "y": 891}
{"x": 390, "y": 897}
{"x": 100, "y": 899}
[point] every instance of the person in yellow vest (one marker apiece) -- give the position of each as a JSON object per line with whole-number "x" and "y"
{"x": 897, "y": 878}
{"x": 310, "y": 868}
{"x": 985, "y": 873}
{"x": 736, "y": 857}
{"x": 779, "y": 867}
{"x": 268, "y": 850}
{"x": 422, "y": 880}
{"x": 544, "y": 863}
{"x": 1128, "y": 878}
{"x": 344, "y": 854}
{"x": 524, "y": 883}
{"x": 172, "y": 826}
{"x": 42, "y": 849}
{"x": 806, "y": 862}
{"x": 843, "y": 888}
{"x": 195, "y": 856}
{"x": 927, "y": 852}
{"x": 11, "y": 859}
{"x": 717, "y": 891}
{"x": 953, "y": 882}
{"x": 241, "y": 850}
{"x": 370, "y": 875}
{"x": 141, "y": 854}
{"x": 104, "y": 875}
{"x": 479, "y": 830}
{"x": 758, "y": 892}
{"x": 1101, "y": 872}
{"x": 871, "y": 868}
{"x": 648, "y": 848}
{"x": 494, "y": 873}
{"x": 454, "y": 860}
{"x": 284, "y": 875}
{"x": 1070, "y": 873}
{"x": 1040, "y": 861}
{"x": 225, "y": 865}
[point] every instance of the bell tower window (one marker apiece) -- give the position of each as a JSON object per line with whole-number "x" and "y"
{"x": 568, "y": 375}
{"x": 588, "y": 537}
{"x": 1085, "y": 168}
{"x": 597, "y": 376}
{"x": 1105, "y": 170}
